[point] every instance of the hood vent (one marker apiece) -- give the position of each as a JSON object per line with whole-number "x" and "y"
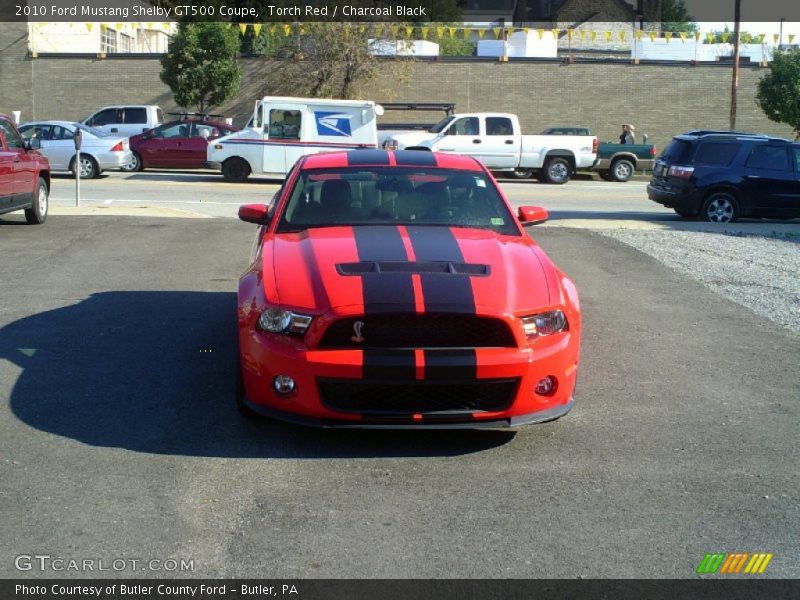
{"x": 420, "y": 267}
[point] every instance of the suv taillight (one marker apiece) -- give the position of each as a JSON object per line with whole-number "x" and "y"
{"x": 680, "y": 172}
{"x": 595, "y": 145}
{"x": 117, "y": 147}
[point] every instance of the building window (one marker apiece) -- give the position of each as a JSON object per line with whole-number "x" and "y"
{"x": 126, "y": 43}
{"x": 108, "y": 40}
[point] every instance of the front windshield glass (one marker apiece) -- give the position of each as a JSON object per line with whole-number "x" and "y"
{"x": 395, "y": 196}
{"x": 441, "y": 125}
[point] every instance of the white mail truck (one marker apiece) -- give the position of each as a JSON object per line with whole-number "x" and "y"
{"x": 282, "y": 130}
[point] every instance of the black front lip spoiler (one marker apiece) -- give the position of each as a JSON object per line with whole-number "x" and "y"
{"x": 529, "y": 419}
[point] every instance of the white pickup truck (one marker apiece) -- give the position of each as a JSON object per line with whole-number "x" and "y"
{"x": 497, "y": 141}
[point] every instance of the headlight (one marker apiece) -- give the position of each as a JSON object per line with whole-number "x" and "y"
{"x": 276, "y": 320}
{"x": 544, "y": 323}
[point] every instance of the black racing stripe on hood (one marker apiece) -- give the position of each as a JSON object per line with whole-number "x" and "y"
{"x": 452, "y": 365}
{"x": 451, "y": 293}
{"x": 368, "y": 157}
{"x": 416, "y": 158}
{"x": 386, "y": 292}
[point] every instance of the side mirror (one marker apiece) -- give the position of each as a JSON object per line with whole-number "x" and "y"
{"x": 532, "y": 215}
{"x": 254, "y": 213}
{"x": 33, "y": 144}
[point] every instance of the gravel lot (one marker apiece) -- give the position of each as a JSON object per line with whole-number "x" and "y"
{"x": 761, "y": 273}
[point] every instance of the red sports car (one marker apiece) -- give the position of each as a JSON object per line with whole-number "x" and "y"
{"x": 181, "y": 144}
{"x": 398, "y": 289}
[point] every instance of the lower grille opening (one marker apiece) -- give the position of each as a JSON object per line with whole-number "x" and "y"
{"x": 407, "y": 398}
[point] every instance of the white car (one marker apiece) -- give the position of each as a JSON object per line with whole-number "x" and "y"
{"x": 98, "y": 151}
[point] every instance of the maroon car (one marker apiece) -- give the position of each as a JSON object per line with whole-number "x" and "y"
{"x": 24, "y": 174}
{"x": 178, "y": 144}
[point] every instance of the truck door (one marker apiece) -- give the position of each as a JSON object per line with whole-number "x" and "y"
{"x": 283, "y": 132}
{"x": 463, "y": 137}
{"x": 500, "y": 146}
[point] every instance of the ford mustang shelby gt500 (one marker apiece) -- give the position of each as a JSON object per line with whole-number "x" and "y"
{"x": 398, "y": 289}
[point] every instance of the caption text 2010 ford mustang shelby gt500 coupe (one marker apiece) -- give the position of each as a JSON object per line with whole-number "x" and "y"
{"x": 398, "y": 289}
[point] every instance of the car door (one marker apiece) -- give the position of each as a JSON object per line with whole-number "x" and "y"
{"x": 463, "y": 137}
{"x": 191, "y": 151}
{"x": 161, "y": 149}
{"x": 500, "y": 146}
{"x": 770, "y": 179}
{"x": 24, "y": 165}
{"x": 61, "y": 147}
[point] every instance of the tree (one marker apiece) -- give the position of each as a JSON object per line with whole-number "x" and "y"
{"x": 201, "y": 67}
{"x": 675, "y": 17}
{"x": 778, "y": 92}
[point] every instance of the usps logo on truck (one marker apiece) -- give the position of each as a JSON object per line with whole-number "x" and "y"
{"x": 333, "y": 124}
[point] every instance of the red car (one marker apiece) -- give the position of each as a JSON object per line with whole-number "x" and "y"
{"x": 181, "y": 144}
{"x": 398, "y": 289}
{"x": 24, "y": 175}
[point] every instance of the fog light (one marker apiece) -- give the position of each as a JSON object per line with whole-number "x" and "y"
{"x": 546, "y": 386}
{"x": 283, "y": 384}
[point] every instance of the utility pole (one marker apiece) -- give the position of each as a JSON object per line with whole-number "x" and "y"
{"x": 735, "y": 79}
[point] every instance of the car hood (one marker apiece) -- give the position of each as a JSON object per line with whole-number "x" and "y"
{"x": 407, "y": 269}
{"x": 412, "y": 138}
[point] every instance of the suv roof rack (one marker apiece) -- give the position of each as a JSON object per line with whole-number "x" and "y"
{"x": 202, "y": 115}
{"x": 699, "y": 132}
{"x": 447, "y": 107}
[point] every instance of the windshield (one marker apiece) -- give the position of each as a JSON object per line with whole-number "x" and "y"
{"x": 441, "y": 124}
{"x": 92, "y": 130}
{"x": 395, "y": 196}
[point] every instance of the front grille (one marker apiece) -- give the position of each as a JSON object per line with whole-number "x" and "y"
{"x": 419, "y": 331}
{"x": 420, "y": 397}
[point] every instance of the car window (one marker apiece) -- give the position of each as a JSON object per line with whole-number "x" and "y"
{"x": 392, "y": 196}
{"x": 796, "y": 158}
{"x": 28, "y": 131}
{"x": 159, "y": 115}
{"x": 206, "y": 131}
{"x": 499, "y": 126}
{"x": 464, "y": 126}
{"x": 13, "y": 139}
{"x": 135, "y": 116}
{"x": 441, "y": 125}
{"x": 677, "y": 151}
{"x": 105, "y": 117}
{"x": 62, "y": 133}
{"x": 716, "y": 153}
{"x": 774, "y": 158}
{"x": 284, "y": 124}
{"x": 176, "y": 130}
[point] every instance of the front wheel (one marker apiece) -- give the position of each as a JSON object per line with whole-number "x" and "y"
{"x": 557, "y": 170}
{"x": 37, "y": 213}
{"x": 720, "y": 207}
{"x": 684, "y": 214}
{"x": 236, "y": 170}
{"x": 522, "y": 173}
{"x": 622, "y": 170}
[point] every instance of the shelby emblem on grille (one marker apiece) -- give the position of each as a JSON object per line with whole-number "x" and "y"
{"x": 358, "y": 327}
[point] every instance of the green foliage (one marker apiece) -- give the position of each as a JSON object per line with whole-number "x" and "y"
{"x": 778, "y": 92}
{"x": 675, "y": 17}
{"x": 455, "y": 45}
{"x": 726, "y": 36}
{"x": 201, "y": 67}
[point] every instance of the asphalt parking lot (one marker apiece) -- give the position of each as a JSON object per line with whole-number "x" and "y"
{"x": 119, "y": 437}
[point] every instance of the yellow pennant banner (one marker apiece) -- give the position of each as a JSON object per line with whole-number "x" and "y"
{"x": 652, "y": 35}
{"x": 424, "y": 31}
{"x": 89, "y": 26}
{"x": 668, "y": 36}
{"x": 622, "y": 36}
{"x": 581, "y": 34}
{"x": 607, "y": 35}
{"x": 257, "y": 28}
{"x": 593, "y": 35}
{"x": 556, "y": 32}
{"x": 497, "y": 31}
{"x": 791, "y": 37}
{"x": 683, "y": 37}
{"x": 242, "y": 28}
{"x": 639, "y": 34}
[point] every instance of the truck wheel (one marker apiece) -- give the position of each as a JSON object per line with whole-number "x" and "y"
{"x": 522, "y": 173}
{"x": 622, "y": 169}
{"x": 557, "y": 170}
{"x": 236, "y": 170}
{"x": 37, "y": 213}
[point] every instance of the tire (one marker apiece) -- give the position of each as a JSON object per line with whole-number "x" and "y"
{"x": 522, "y": 173}
{"x": 244, "y": 410}
{"x": 557, "y": 170}
{"x": 720, "y": 207}
{"x": 236, "y": 170}
{"x": 622, "y": 169}
{"x": 135, "y": 165}
{"x": 40, "y": 203}
{"x": 89, "y": 169}
{"x": 685, "y": 214}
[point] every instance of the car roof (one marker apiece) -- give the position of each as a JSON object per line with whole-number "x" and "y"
{"x": 697, "y": 134}
{"x": 198, "y": 120}
{"x": 70, "y": 123}
{"x": 391, "y": 158}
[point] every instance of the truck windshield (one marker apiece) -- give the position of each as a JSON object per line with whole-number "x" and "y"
{"x": 396, "y": 196}
{"x": 442, "y": 124}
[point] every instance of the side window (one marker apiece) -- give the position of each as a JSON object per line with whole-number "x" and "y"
{"x": 62, "y": 133}
{"x": 464, "y": 126}
{"x": 797, "y": 159}
{"x": 499, "y": 126}
{"x": 716, "y": 153}
{"x": 135, "y": 116}
{"x": 774, "y": 158}
{"x": 104, "y": 117}
{"x": 159, "y": 115}
{"x": 172, "y": 131}
{"x": 284, "y": 124}
{"x": 13, "y": 139}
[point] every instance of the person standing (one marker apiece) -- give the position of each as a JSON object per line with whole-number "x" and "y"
{"x": 627, "y": 136}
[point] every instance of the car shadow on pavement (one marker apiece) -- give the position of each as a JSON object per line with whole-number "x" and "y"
{"x": 153, "y": 371}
